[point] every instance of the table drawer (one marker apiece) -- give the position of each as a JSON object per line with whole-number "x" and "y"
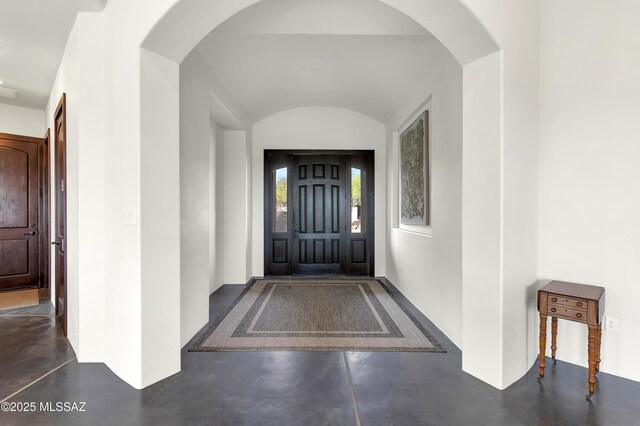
{"x": 562, "y": 311}
{"x": 569, "y": 302}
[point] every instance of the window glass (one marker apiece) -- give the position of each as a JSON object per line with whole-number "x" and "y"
{"x": 356, "y": 200}
{"x": 280, "y": 200}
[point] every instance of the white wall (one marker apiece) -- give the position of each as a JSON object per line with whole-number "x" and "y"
{"x": 318, "y": 128}
{"x": 428, "y": 268}
{"x": 195, "y": 195}
{"x": 514, "y": 112}
{"x": 236, "y": 207}
{"x": 81, "y": 77}
{"x": 589, "y": 167}
{"x": 68, "y": 81}
{"x": 159, "y": 219}
{"x": 216, "y": 207}
{"x": 22, "y": 121}
{"x": 122, "y": 191}
{"x": 482, "y": 245}
{"x": 204, "y": 251}
{"x": 91, "y": 183}
{"x": 249, "y": 202}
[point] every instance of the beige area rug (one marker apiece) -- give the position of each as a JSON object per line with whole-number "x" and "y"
{"x": 317, "y": 315}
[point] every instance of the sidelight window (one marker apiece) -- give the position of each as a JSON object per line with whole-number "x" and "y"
{"x": 356, "y": 200}
{"x": 280, "y": 198}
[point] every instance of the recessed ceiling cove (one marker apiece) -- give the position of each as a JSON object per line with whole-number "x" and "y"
{"x": 360, "y": 54}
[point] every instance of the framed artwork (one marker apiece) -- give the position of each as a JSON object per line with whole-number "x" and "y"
{"x": 414, "y": 172}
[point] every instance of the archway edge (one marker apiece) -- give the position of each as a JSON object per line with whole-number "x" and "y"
{"x": 180, "y": 29}
{"x": 187, "y": 22}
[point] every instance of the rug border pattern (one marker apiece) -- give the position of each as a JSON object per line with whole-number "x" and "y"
{"x": 196, "y": 347}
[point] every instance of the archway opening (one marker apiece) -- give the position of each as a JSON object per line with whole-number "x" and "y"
{"x": 465, "y": 39}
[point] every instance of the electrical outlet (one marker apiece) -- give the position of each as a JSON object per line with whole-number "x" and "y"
{"x": 611, "y": 324}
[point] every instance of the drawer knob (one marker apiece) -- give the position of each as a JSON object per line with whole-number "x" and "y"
{"x": 578, "y": 315}
{"x": 579, "y": 303}
{"x": 553, "y": 309}
{"x": 554, "y": 299}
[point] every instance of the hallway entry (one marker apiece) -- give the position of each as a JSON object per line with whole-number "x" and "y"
{"x": 318, "y": 212}
{"x": 24, "y": 209}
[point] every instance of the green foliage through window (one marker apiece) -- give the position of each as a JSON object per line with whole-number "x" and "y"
{"x": 356, "y": 191}
{"x": 281, "y": 191}
{"x": 280, "y": 208}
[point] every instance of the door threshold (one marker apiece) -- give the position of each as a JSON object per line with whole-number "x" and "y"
{"x": 21, "y": 298}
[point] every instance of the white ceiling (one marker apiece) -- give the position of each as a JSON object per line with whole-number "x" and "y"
{"x": 266, "y": 74}
{"x": 33, "y": 35}
{"x": 356, "y": 54}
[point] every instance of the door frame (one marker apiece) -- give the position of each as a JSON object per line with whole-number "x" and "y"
{"x": 45, "y": 216}
{"x": 285, "y": 157}
{"x": 276, "y": 159}
{"x": 365, "y": 161}
{"x": 61, "y": 111}
{"x": 44, "y": 207}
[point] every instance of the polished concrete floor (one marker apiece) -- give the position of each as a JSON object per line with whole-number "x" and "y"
{"x": 31, "y": 345}
{"x": 294, "y": 388}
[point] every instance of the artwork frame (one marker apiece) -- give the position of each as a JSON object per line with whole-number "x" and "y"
{"x": 414, "y": 157}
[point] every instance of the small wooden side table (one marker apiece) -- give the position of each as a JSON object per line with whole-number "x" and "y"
{"x": 574, "y": 302}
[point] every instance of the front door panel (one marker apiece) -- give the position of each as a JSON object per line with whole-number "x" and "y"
{"x": 319, "y": 212}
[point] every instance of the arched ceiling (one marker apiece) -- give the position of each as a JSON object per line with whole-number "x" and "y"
{"x": 356, "y": 54}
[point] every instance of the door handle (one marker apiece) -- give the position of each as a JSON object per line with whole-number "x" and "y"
{"x": 31, "y": 233}
{"x": 55, "y": 243}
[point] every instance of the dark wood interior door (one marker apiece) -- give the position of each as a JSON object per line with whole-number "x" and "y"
{"x": 60, "y": 243}
{"x": 319, "y": 212}
{"x": 19, "y": 221}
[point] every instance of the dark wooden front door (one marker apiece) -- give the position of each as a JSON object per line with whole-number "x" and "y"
{"x": 315, "y": 223}
{"x": 19, "y": 212}
{"x": 60, "y": 191}
{"x": 319, "y": 214}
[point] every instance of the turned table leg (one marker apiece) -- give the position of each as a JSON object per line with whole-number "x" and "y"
{"x": 543, "y": 342}
{"x": 593, "y": 343}
{"x": 599, "y": 345}
{"x": 554, "y": 333}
